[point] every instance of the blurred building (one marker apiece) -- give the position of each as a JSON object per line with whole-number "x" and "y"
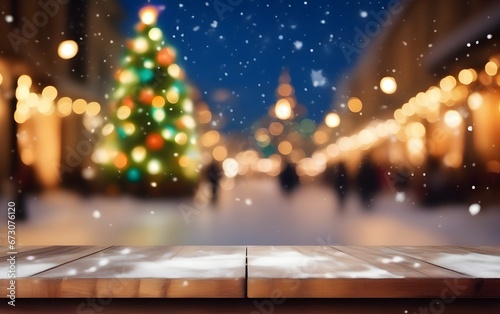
{"x": 414, "y": 47}
{"x": 40, "y": 89}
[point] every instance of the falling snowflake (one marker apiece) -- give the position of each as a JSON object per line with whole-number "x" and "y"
{"x": 9, "y": 18}
{"x": 474, "y": 209}
{"x": 298, "y": 44}
{"x": 248, "y": 201}
{"x": 96, "y": 214}
{"x": 214, "y": 24}
{"x": 400, "y": 197}
{"x": 363, "y": 14}
{"x": 317, "y": 78}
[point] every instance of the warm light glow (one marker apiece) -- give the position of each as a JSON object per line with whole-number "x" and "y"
{"x": 27, "y": 156}
{"x": 79, "y": 106}
{"x": 388, "y": 85}
{"x": 138, "y": 154}
{"x": 367, "y": 137}
{"x": 64, "y": 106}
{"x": 22, "y": 92}
{"x": 127, "y": 77}
{"x": 141, "y": 45}
{"x": 24, "y": 80}
{"x": 174, "y": 70}
{"x": 415, "y": 129}
{"x": 120, "y": 160}
{"x": 181, "y": 138}
{"x": 67, "y": 49}
{"x": 49, "y": 93}
{"x": 155, "y": 34}
{"x": 93, "y": 109}
{"x": 354, "y": 104}
{"x": 452, "y": 118}
{"x": 219, "y": 153}
{"x": 210, "y": 138}
{"x": 230, "y": 167}
{"x": 187, "y": 105}
{"x": 467, "y": 76}
{"x": 400, "y": 116}
{"x": 204, "y": 116}
{"x": 45, "y": 106}
{"x": 283, "y": 109}
{"x": 415, "y": 145}
{"x": 453, "y": 159}
{"x": 159, "y": 115}
{"x": 154, "y": 166}
{"x": 173, "y": 95}
{"x": 332, "y": 150}
{"x": 276, "y": 128}
{"x": 158, "y": 101}
{"x": 332, "y": 120}
{"x": 261, "y": 135}
{"x": 320, "y": 137}
{"x": 148, "y": 15}
{"x": 285, "y": 90}
{"x": 123, "y": 112}
{"x": 108, "y": 129}
{"x": 188, "y": 122}
{"x": 184, "y": 161}
{"x": 129, "y": 128}
{"x": 448, "y": 83}
{"x": 285, "y": 147}
{"x": 345, "y": 144}
{"x": 491, "y": 68}
{"x": 475, "y": 101}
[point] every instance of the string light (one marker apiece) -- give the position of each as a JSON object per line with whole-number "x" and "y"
{"x": 148, "y": 15}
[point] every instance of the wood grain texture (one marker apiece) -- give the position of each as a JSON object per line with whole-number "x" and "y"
{"x": 34, "y": 261}
{"x": 270, "y": 272}
{"x": 479, "y": 263}
{"x": 350, "y": 272}
{"x": 170, "y": 272}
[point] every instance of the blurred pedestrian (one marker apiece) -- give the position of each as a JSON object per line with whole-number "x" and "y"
{"x": 340, "y": 181}
{"x": 289, "y": 179}
{"x": 367, "y": 181}
{"x": 214, "y": 174}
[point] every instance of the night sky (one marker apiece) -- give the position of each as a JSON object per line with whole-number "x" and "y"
{"x": 236, "y": 61}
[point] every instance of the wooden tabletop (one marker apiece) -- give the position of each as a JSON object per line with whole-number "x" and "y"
{"x": 255, "y": 272}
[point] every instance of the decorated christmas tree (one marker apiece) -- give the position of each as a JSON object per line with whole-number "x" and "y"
{"x": 149, "y": 144}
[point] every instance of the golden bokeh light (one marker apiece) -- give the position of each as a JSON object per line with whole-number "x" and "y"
{"x": 285, "y": 147}
{"x": 354, "y": 104}
{"x": 388, "y": 85}
{"x": 332, "y": 120}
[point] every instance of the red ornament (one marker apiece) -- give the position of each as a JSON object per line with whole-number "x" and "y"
{"x": 165, "y": 56}
{"x": 146, "y": 96}
{"x": 154, "y": 141}
{"x": 128, "y": 101}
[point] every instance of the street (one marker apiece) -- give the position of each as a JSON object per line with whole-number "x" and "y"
{"x": 253, "y": 212}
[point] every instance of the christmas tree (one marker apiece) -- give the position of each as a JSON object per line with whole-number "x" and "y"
{"x": 149, "y": 144}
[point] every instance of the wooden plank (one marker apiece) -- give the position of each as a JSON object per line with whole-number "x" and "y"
{"x": 33, "y": 261}
{"x": 462, "y": 260}
{"x": 180, "y": 272}
{"x": 306, "y": 272}
{"x": 20, "y": 249}
{"x": 398, "y": 263}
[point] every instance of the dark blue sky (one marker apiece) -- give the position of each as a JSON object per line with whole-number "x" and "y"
{"x": 245, "y": 52}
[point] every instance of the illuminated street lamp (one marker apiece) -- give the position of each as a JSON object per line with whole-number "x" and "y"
{"x": 332, "y": 120}
{"x": 283, "y": 109}
{"x": 67, "y": 49}
{"x": 388, "y": 85}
